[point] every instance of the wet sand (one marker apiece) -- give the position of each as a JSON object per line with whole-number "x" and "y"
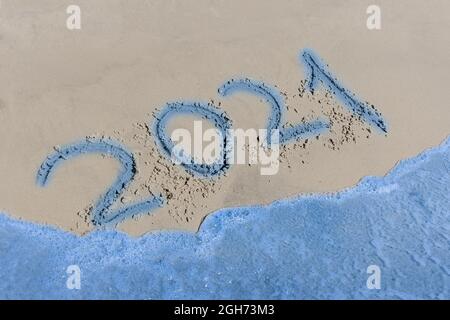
{"x": 131, "y": 57}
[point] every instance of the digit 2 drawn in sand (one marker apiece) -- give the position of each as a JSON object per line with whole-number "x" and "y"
{"x": 316, "y": 71}
{"x": 101, "y": 213}
{"x": 277, "y": 107}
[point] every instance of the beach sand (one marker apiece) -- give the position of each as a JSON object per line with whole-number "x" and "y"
{"x": 131, "y": 57}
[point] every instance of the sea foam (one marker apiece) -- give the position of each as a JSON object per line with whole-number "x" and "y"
{"x": 309, "y": 247}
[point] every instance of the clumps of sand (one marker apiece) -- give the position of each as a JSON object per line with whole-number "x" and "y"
{"x": 156, "y": 175}
{"x": 84, "y": 222}
{"x": 186, "y": 194}
{"x": 303, "y": 106}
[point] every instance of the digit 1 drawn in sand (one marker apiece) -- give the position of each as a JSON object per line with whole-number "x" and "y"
{"x": 277, "y": 107}
{"x": 317, "y": 71}
{"x": 206, "y": 111}
{"x": 101, "y": 213}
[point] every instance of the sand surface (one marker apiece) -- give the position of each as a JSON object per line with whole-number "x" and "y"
{"x": 131, "y": 57}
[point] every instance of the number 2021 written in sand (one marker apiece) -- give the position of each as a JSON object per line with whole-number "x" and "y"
{"x": 317, "y": 73}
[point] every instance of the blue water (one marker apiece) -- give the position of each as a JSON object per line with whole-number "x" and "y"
{"x": 311, "y": 247}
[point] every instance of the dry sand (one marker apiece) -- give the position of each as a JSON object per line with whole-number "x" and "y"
{"x": 131, "y": 57}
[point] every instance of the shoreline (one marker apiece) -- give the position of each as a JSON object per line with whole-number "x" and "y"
{"x": 112, "y": 77}
{"x": 386, "y": 224}
{"x": 358, "y": 188}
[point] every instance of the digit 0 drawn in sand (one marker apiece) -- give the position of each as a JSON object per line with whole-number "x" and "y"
{"x": 101, "y": 214}
{"x": 167, "y": 181}
{"x": 206, "y": 111}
